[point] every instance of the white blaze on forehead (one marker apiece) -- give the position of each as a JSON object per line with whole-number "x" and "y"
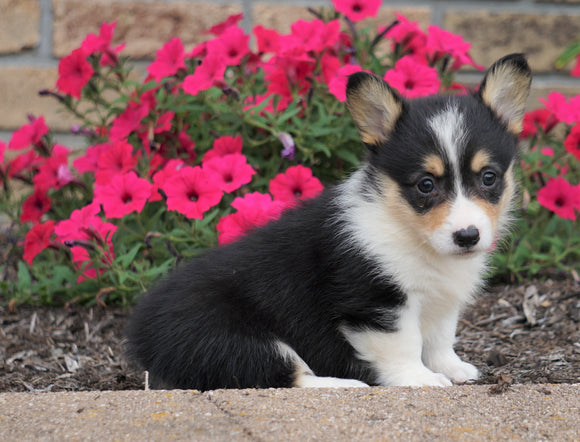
{"x": 450, "y": 132}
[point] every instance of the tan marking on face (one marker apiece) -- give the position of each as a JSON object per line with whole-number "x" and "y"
{"x": 418, "y": 227}
{"x": 434, "y": 165}
{"x": 479, "y": 161}
{"x": 495, "y": 212}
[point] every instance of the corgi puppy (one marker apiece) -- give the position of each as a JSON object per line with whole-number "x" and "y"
{"x": 364, "y": 284}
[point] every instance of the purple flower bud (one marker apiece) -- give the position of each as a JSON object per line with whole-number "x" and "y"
{"x": 288, "y": 143}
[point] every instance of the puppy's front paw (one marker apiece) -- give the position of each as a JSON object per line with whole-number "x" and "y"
{"x": 463, "y": 372}
{"x": 419, "y": 378}
{"x": 455, "y": 369}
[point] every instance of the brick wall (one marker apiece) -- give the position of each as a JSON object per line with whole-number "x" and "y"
{"x": 35, "y": 33}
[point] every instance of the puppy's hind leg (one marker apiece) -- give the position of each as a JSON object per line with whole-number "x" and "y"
{"x": 304, "y": 376}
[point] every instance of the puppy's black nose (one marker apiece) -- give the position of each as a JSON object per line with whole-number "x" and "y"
{"x": 466, "y": 237}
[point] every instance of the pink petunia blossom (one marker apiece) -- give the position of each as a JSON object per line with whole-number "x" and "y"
{"x": 223, "y": 146}
{"x": 572, "y": 142}
{"x": 89, "y": 162}
{"x": 192, "y": 191}
{"x": 297, "y": 183}
{"x": 129, "y": 120}
{"x": 441, "y": 42}
{"x": 102, "y": 43}
{"x": 124, "y": 194}
{"x": 79, "y": 220}
{"x": 35, "y": 206}
{"x": 24, "y": 163}
{"x": 233, "y": 170}
{"x": 253, "y": 210}
{"x": 268, "y": 40}
{"x": 168, "y": 170}
{"x": 54, "y": 173}
{"x": 212, "y": 69}
{"x": 566, "y": 111}
{"x": 409, "y": 37}
{"x": 537, "y": 119}
{"x": 233, "y": 44}
{"x": 413, "y": 79}
{"x": 29, "y": 134}
{"x": 575, "y": 72}
{"x": 561, "y": 197}
{"x": 117, "y": 159}
{"x": 316, "y": 35}
{"x": 170, "y": 59}
{"x": 337, "y": 86}
{"x": 220, "y": 28}
{"x": 357, "y": 10}
{"x": 37, "y": 239}
{"x": 74, "y": 72}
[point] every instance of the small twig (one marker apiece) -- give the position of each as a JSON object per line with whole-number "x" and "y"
{"x": 146, "y": 380}
{"x": 33, "y": 323}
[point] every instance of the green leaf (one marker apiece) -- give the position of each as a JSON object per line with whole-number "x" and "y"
{"x": 24, "y": 278}
{"x": 127, "y": 259}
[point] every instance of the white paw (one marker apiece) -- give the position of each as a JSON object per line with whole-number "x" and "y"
{"x": 311, "y": 381}
{"x": 463, "y": 372}
{"x": 422, "y": 377}
{"x": 455, "y": 369}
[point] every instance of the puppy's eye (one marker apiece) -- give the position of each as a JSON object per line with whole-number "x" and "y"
{"x": 426, "y": 186}
{"x": 488, "y": 178}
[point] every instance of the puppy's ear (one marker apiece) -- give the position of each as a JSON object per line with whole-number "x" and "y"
{"x": 505, "y": 89}
{"x": 374, "y": 106}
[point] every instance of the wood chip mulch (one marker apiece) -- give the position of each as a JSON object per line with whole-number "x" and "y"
{"x": 514, "y": 334}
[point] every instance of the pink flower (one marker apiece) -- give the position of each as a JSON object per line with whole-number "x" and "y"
{"x": 192, "y": 191}
{"x": 253, "y": 210}
{"x": 84, "y": 231}
{"x": 23, "y": 163}
{"x": 537, "y": 119}
{"x": 124, "y": 194}
{"x": 266, "y": 39}
{"x": 575, "y": 72}
{"x": 129, "y": 120}
{"x": 315, "y": 35}
{"x": 413, "y": 79}
{"x": 233, "y": 171}
{"x": 35, "y": 206}
{"x": 117, "y": 159}
{"x": 170, "y": 59}
{"x": 170, "y": 168}
{"x": 441, "y": 42}
{"x": 79, "y": 221}
{"x": 572, "y": 142}
{"x": 565, "y": 111}
{"x": 232, "y": 44}
{"x": 212, "y": 69}
{"x": 561, "y": 197}
{"x": 29, "y": 134}
{"x": 220, "y": 28}
{"x": 74, "y": 73}
{"x": 89, "y": 162}
{"x": 297, "y": 183}
{"x": 37, "y": 239}
{"x": 357, "y": 10}
{"x": 54, "y": 173}
{"x": 102, "y": 43}
{"x": 337, "y": 86}
{"x": 223, "y": 146}
{"x": 409, "y": 36}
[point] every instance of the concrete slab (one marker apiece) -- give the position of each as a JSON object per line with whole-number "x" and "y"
{"x": 536, "y": 412}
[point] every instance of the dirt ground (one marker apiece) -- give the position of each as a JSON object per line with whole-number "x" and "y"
{"x": 513, "y": 334}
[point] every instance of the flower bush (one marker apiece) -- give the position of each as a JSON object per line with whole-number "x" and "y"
{"x": 221, "y": 138}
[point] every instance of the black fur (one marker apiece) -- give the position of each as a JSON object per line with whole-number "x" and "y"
{"x": 214, "y": 322}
